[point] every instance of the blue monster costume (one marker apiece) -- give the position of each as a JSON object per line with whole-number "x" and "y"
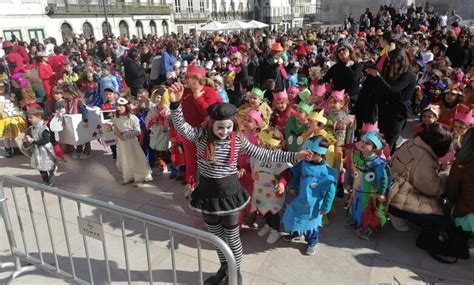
{"x": 316, "y": 185}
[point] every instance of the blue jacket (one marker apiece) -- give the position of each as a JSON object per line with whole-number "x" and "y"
{"x": 316, "y": 188}
{"x": 109, "y": 81}
{"x": 168, "y": 61}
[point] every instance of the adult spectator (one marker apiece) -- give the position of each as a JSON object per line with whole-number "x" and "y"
{"x": 418, "y": 184}
{"x": 241, "y": 74}
{"x": 460, "y": 185}
{"x": 14, "y": 59}
{"x": 134, "y": 71}
{"x": 57, "y": 63}
{"x": 168, "y": 60}
{"x": 395, "y": 89}
{"x": 19, "y": 48}
{"x": 272, "y": 69}
{"x": 346, "y": 73}
{"x": 197, "y": 97}
{"x": 454, "y": 18}
{"x": 459, "y": 52}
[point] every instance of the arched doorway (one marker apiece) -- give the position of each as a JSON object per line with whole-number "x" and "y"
{"x": 139, "y": 27}
{"x": 153, "y": 27}
{"x": 164, "y": 26}
{"x": 66, "y": 31}
{"x": 123, "y": 27}
{"x": 87, "y": 30}
{"x": 106, "y": 29}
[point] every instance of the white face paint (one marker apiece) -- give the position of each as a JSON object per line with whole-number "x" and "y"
{"x": 222, "y": 129}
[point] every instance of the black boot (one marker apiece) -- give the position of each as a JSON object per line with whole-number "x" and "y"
{"x": 8, "y": 152}
{"x": 217, "y": 278}
{"x": 239, "y": 279}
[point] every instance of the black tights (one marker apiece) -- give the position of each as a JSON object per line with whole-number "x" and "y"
{"x": 273, "y": 220}
{"x": 227, "y": 229}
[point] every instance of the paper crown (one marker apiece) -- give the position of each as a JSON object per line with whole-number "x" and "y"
{"x": 432, "y": 108}
{"x": 304, "y": 95}
{"x": 319, "y": 90}
{"x": 293, "y": 89}
{"x": 313, "y": 145}
{"x": 195, "y": 70}
{"x": 464, "y": 114}
{"x": 122, "y": 101}
{"x": 258, "y": 92}
{"x": 303, "y": 81}
{"x": 305, "y": 107}
{"x": 280, "y": 95}
{"x": 372, "y": 136}
{"x": 256, "y": 115}
{"x": 318, "y": 117}
{"x": 367, "y": 127}
{"x": 338, "y": 95}
{"x": 267, "y": 137}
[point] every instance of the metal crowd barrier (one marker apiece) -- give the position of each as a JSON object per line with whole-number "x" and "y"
{"x": 24, "y": 261}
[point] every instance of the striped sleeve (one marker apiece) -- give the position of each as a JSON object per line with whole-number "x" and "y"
{"x": 267, "y": 155}
{"x": 183, "y": 128}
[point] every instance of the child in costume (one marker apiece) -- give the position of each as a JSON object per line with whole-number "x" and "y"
{"x": 429, "y": 116}
{"x": 371, "y": 182}
{"x": 256, "y": 101}
{"x": 89, "y": 88}
{"x": 315, "y": 185}
{"x": 219, "y": 196}
{"x": 296, "y": 127}
{"x": 69, "y": 77}
{"x": 252, "y": 125}
{"x": 110, "y": 104}
{"x": 59, "y": 109}
{"x": 282, "y": 111}
{"x": 450, "y": 99}
{"x": 270, "y": 180}
{"x": 130, "y": 158}
{"x": 293, "y": 98}
{"x": 38, "y": 136}
{"x": 11, "y": 124}
{"x": 318, "y": 93}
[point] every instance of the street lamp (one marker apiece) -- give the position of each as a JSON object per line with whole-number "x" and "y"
{"x": 292, "y": 4}
{"x": 106, "y": 19}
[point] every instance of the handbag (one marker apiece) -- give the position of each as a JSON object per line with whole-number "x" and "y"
{"x": 56, "y": 123}
{"x": 439, "y": 242}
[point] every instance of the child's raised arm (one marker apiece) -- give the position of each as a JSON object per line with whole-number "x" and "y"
{"x": 182, "y": 127}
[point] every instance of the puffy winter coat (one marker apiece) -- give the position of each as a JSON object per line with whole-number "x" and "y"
{"x": 417, "y": 184}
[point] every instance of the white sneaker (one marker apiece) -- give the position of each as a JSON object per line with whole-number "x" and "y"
{"x": 273, "y": 237}
{"x": 264, "y": 231}
{"x": 399, "y": 224}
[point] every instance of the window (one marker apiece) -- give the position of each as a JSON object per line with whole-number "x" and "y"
{"x": 139, "y": 27}
{"x": 66, "y": 31}
{"x": 37, "y": 34}
{"x": 123, "y": 29}
{"x": 87, "y": 30}
{"x": 177, "y": 6}
{"x": 202, "y": 7}
{"x": 164, "y": 25}
{"x": 190, "y": 6}
{"x": 180, "y": 30}
{"x": 10, "y": 34}
{"x": 214, "y": 5}
{"x": 106, "y": 29}
{"x": 153, "y": 27}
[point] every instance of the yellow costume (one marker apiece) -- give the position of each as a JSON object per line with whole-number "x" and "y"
{"x": 11, "y": 120}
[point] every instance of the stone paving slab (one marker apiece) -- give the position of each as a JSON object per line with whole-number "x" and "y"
{"x": 341, "y": 258}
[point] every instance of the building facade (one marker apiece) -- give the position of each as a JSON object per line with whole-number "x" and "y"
{"x": 28, "y": 19}
{"x": 229, "y": 10}
{"x": 284, "y": 14}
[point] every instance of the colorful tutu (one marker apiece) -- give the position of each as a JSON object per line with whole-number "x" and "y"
{"x": 11, "y": 127}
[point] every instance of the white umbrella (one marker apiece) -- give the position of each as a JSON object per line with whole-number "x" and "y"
{"x": 257, "y": 25}
{"x": 212, "y": 26}
{"x": 236, "y": 25}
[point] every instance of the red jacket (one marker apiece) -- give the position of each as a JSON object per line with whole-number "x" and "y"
{"x": 15, "y": 62}
{"x": 195, "y": 110}
{"x": 24, "y": 54}
{"x": 45, "y": 73}
{"x": 57, "y": 64}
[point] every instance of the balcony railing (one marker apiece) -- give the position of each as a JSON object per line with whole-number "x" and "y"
{"x": 85, "y": 7}
{"x": 186, "y": 16}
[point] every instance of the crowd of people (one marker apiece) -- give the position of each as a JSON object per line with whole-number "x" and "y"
{"x": 267, "y": 123}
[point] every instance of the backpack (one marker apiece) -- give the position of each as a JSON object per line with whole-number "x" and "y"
{"x": 440, "y": 242}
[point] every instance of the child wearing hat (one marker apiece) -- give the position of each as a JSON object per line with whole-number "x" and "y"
{"x": 429, "y": 116}
{"x": 256, "y": 101}
{"x": 269, "y": 181}
{"x": 296, "y": 126}
{"x": 313, "y": 183}
{"x": 282, "y": 111}
{"x": 130, "y": 158}
{"x": 450, "y": 99}
{"x": 219, "y": 196}
{"x": 371, "y": 181}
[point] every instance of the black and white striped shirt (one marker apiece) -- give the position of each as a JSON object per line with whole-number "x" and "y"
{"x": 221, "y": 167}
